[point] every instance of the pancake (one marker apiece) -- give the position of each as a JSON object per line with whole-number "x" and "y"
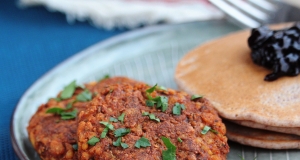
{"x": 287, "y": 130}
{"x": 222, "y": 71}
{"x": 261, "y": 138}
{"x": 130, "y": 100}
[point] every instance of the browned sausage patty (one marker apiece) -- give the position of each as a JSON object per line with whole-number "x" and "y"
{"x": 131, "y": 101}
{"x": 52, "y": 137}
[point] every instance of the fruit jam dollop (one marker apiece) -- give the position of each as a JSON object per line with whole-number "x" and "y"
{"x": 277, "y": 50}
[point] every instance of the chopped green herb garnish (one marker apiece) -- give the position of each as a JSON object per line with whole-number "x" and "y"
{"x": 170, "y": 153}
{"x": 112, "y": 119}
{"x": 177, "y": 108}
{"x": 104, "y": 133}
{"x": 121, "y": 132}
{"x": 161, "y": 102}
{"x": 117, "y": 143}
{"x": 108, "y": 125}
{"x": 124, "y": 145}
{"x": 162, "y": 88}
{"x": 93, "y": 141}
{"x": 104, "y": 77}
{"x": 151, "y": 116}
{"x": 152, "y": 89}
{"x": 145, "y": 113}
{"x": 150, "y": 103}
{"x": 142, "y": 142}
{"x": 68, "y": 90}
{"x": 55, "y": 110}
{"x": 206, "y": 129}
{"x": 179, "y": 139}
{"x": 214, "y": 131}
{"x": 84, "y": 96}
{"x": 69, "y": 115}
{"x": 75, "y": 147}
{"x": 111, "y": 90}
{"x": 62, "y": 112}
{"x": 121, "y": 117}
{"x": 195, "y": 96}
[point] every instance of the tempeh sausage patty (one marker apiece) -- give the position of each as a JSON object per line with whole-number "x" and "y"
{"x": 129, "y": 100}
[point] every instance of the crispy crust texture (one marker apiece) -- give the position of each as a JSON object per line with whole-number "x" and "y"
{"x": 131, "y": 100}
{"x": 52, "y": 137}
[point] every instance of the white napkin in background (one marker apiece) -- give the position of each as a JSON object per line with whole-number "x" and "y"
{"x": 111, "y": 14}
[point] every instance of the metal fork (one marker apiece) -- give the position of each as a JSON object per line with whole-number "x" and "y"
{"x": 254, "y": 13}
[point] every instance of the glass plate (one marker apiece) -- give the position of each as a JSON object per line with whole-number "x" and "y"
{"x": 148, "y": 55}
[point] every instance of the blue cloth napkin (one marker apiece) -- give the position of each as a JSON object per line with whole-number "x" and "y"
{"x": 32, "y": 41}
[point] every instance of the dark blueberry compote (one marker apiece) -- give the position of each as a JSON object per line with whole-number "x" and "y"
{"x": 277, "y": 50}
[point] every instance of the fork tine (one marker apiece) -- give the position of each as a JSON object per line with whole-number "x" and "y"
{"x": 235, "y": 13}
{"x": 250, "y": 10}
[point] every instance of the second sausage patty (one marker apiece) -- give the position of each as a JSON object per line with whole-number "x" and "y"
{"x": 130, "y": 103}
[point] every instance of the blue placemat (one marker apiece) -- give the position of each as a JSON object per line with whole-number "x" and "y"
{"x": 32, "y": 41}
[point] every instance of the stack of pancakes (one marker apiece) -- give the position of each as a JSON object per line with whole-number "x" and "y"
{"x": 256, "y": 112}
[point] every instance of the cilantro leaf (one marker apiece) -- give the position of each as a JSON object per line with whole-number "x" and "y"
{"x": 84, "y": 96}
{"x": 68, "y": 90}
{"x": 121, "y": 132}
{"x": 121, "y": 117}
{"x": 124, "y": 145}
{"x": 170, "y": 153}
{"x": 55, "y": 110}
{"x": 69, "y": 115}
{"x": 117, "y": 143}
{"x": 206, "y": 129}
{"x": 214, "y": 131}
{"x": 195, "y": 96}
{"x": 62, "y": 112}
{"x": 150, "y": 103}
{"x": 151, "y": 116}
{"x": 177, "y": 108}
{"x": 152, "y": 89}
{"x": 161, "y": 102}
{"x": 108, "y": 125}
{"x": 179, "y": 139}
{"x": 104, "y": 132}
{"x": 112, "y": 119}
{"x": 92, "y": 141}
{"x": 162, "y": 88}
{"x": 145, "y": 113}
{"x": 142, "y": 142}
